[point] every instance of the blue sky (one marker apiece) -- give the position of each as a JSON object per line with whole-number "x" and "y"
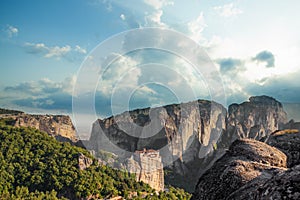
{"x": 254, "y": 45}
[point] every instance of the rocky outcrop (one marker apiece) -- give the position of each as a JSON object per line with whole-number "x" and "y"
{"x": 255, "y": 119}
{"x": 287, "y": 141}
{"x": 255, "y": 170}
{"x": 84, "y": 162}
{"x": 58, "y": 126}
{"x": 284, "y": 185}
{"x": 187, "y": 135}
{"x": 147, "y": 167}
{"x": 245, "y": 161}
{"x": 181, "y": 132}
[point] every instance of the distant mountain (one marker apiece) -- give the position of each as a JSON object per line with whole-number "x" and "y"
{"x": 58, "y": 126}
{"x": 11, "y": 112}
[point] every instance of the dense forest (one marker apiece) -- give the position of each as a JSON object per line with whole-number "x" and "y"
{"x": 34, "y": 165}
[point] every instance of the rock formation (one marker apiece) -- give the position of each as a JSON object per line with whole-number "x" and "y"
{"x": 284, "y": 185}
{"x": 254, "y": 170}
{"x": 187, "y": 135}
{"x": 190, "y": 137}
{"x": 245, "y": 160}
{"x": 58, "y": 126}
{"x": 181, "y": 132}
{"x": 255, "y": 119}
{"x": 147, "y": 167}
{"x": 84, "y": 162}
{"x": 287, "y": 141}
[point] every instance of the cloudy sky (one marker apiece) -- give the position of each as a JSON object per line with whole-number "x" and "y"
{"x": 254, "y": 47}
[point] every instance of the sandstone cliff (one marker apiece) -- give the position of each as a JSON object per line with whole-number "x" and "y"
{"x": 255, "y": 119}
{"x": 58, "y": 126}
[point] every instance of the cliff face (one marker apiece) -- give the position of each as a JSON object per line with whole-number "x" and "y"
{"x": 190, "y": 136}
{"x": 255, "y": 119}
{"x": 147, "y": 167}
{"x": 181, "y": 133}
{"x": 58, "y": 126}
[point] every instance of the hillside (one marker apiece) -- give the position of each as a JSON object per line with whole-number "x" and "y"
{"x": 58, "y": 126}
{"x": 36, "y": 166}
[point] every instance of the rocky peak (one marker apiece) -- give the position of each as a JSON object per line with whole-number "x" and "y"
{"x": 181, "y": 132}
{"x": 258, "y": 117}
{"x": 264, "y": 100}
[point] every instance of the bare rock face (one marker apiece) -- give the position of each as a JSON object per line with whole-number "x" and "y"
{"x": 287, "y": 141}
{"x": 147, "y": 167}
{"x": 246, "y": 160}
{"x": 84, "y": 162}
{"x": 285, "y": 185}
{"x": 255, "y": 119}
{"x": 58, "y": 126}
{"x": 181, "y": 132}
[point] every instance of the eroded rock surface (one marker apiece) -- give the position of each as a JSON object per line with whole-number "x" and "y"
{"x": 257, "y": 118}
{"x": 84, "y": 162}
{"x": 58, "y": 126}
{"x": 285, "y": 185}
{"x": 245, "y": 161}
{"x": 288, "y": 141}
{"x": 147, "y": 167}
{"x": 181, "y": 132}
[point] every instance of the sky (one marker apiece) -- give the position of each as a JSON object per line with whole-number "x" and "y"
{"x": 254, "y": 47}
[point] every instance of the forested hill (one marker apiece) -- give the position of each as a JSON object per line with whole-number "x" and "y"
{"x": 34, "y": 165}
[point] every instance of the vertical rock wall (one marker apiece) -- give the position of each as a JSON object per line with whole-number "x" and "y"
{"x": 147, "y": 167}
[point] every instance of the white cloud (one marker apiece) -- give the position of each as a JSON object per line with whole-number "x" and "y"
{"x": 228, "y": 10}
{"x": 58, "y": 51}
{"x": 80, "y": 49}
{"x": 42, "y": 88}
{"x": 154, "y": 19}
{"x": 158, "y": 4}
{"x": 196, "y": 28}
{"x": 43, "y": 95}
{"x": 112, "y": 74}
{"x": 55, "y": 51}
{"x": 123, "y": 17}
{"x": 12, "y": 31}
